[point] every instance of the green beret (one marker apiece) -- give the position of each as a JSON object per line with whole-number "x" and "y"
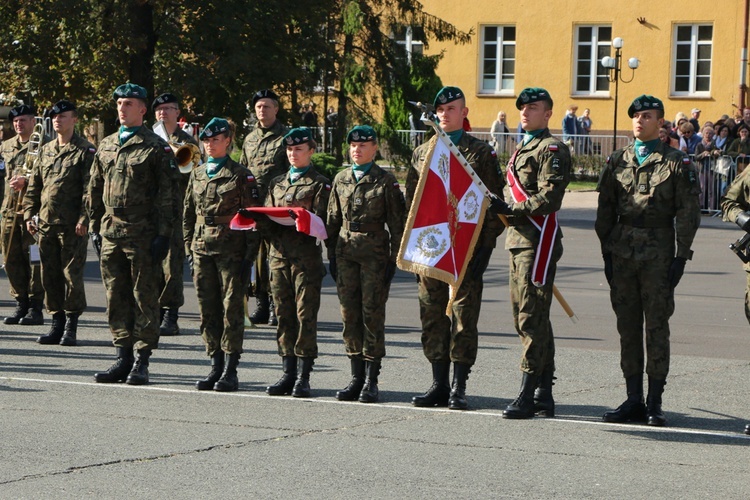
{"x": 446, "y": 95}
{"x": 130, "y": 90}
{"x": 644, "y": 103}
{"x": 165, "y": 98}
{"x": 23, "y": 109}
{"x": 215, "y": 127}
{"x": 361, "y": 133}
{"x": 265, "y": 94}
{"x": 61, "y": 107}
{"x": 533, "y": 94}
{"x": 299, "y": 135}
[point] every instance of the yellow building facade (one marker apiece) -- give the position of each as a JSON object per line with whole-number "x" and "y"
{"x": 689, "y": 56}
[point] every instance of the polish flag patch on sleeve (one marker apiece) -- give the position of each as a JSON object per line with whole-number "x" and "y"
{"x": 553, "y": 148}
{"x": 92, "y": 150}
{"x": 686, "y": 160}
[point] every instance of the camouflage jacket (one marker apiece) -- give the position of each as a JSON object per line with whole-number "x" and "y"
{"x": 57, "y": 188}
{"x": 311, "y": 192}
{"x": 13, "y": 152}
{"x": 542, "y": 166}
{"x": 643, "y": 208}
{"x": 233, "y": 187}
{"x": 356, "y": 208}
{"x": 483, "y": 160}
{"x": 737, "y": 200}
{"x": 264, "y": 153}
{"x": 131, "y": 191}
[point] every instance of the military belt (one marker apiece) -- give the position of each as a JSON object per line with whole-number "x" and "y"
{"x": 127, "y": 211}
{"x": 363, "y": 227}
{"x": 643, "y": 222}
{"x": 519, "y": 221}
{"x": 213, "y": 220}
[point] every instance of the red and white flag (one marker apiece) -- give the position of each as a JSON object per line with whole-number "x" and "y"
{"x": 445, "y": 219}
{"x": 305, "y": 221}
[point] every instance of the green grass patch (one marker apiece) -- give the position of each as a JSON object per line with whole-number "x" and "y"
{"x": 582, "y": 186}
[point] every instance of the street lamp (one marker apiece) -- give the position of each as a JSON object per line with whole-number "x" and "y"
{"x": 614, "y": 65}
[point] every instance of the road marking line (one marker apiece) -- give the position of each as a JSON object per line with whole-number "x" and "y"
{"x": 566, "y": 420}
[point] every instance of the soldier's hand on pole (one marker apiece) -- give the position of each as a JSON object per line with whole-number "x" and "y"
{"x": 17, "y": 182}
{"x": 96, "y": 239}
{"x": 675, "y": 271}
{"x": 159, "y": 248}
{"x": 31, "y": 226}
{"x": 608, "y": 269}
{"x": 499, "y": 206}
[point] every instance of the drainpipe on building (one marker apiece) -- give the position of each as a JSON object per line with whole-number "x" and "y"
{"x": 743, "y": 57}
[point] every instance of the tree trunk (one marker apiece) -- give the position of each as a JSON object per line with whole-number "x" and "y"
{"x": 338, "y": 133}
{"x": 141, "y": 66}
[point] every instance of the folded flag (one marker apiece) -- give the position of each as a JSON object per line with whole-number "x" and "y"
{"x": 305, "y": 221}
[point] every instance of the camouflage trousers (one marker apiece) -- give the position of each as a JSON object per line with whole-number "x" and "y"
{"x": 295, "y": 286}
{"x": 171, "y": 272}
{"x": 221, "y": 298}
{"x": 531, "y": 307}
{"x": 24, "y": 278}
{"x": 130, "y": 278}
{"x": 63, "y": 255}
{"x": 640, "y": 292}
{"x": 363, "y": 293}
{"x": 453, "y": 338}
{"x": 262, "y": 273}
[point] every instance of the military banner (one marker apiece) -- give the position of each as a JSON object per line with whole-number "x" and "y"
{"x": 445, "y": 219}
{"x": 305, "y": 221}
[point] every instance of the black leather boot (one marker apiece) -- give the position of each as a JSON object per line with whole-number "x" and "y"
{"x": 440, "y": 390}
{"x": 286, "y": 383}
{"x": 302, "y": 385}
{"x": 544, "y": 404}
{"x": 118, "y": 372}
{"x": 139, "y": 374}
{"x": 169, "y": 326}
{"x": 272, "y": 320}
{"x": 56, "y": 330}
{"x": 260, "y": 315}
{"x": 217, "y": 367}
{"x": 34, "y": 316}
{"x": 22, "y": 307}
{"x": 633, "y": 409}
{"x": 523, "y": 405}
{"x": 71, "y": 330}
{"x": 369, "y": 392}
{"x": 653, "y": 402}
{"x": 457, "y": 399}
{"x": 352, "y": 391}
{"x": 228, "y": 381}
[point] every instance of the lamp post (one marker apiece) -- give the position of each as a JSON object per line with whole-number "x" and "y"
{"x": 614, "y": 65}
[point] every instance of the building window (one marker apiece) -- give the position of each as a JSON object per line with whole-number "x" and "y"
{"x": 410, "y": 38}
{"x": 498, "y": 71}
{"x": 592, "y": 43}
{"x": 691, "y": 65}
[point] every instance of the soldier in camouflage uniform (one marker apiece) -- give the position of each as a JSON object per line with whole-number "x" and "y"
{"x": 57, "y": 192}
{"x": 540, "y": 172}
{"x": 264, "y": 153}
{"x": 735, "y": 207}
{"x": 24, "y": 277}
{"x": 130, "y": 204}
{"x": 296, "y": 263}
{"x": 365, "y": 201}
{"x": 648, "y": 199}
{"x": 454, "y": 338}
{"x": 222, "y": 258}
{"x": 167, "y": 109}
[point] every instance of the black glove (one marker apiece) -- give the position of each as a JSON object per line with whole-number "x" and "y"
{"x": 499, "y": 206}
{"x": 256, "y": 216}
{"x": 675, "y": 271}
{"x": 332, "y": 267}
{"x": 159, "y": 248}
{"x": 292, "y": 214}
{"x": 96, "y": 239}
{"x": 246, "y": 268}
{"x": 480, "y": 261}
{"x": 390, "y": 272}
{"x": 608, "y": 267}
{"x": 191, "y": 265}
{"x": 743, "y": 220}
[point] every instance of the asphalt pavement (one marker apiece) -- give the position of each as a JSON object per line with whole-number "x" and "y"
{"x": 64, "y": 436}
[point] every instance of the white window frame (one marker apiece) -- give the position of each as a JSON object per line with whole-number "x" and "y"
{"x": 500, "y": 61}
{"x": 410, "y": 44}
{"x": 694, "y": 44}
{"x": 596, "y": 69}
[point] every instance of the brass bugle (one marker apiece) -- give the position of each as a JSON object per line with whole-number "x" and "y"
{"x": 188, "y": 156}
